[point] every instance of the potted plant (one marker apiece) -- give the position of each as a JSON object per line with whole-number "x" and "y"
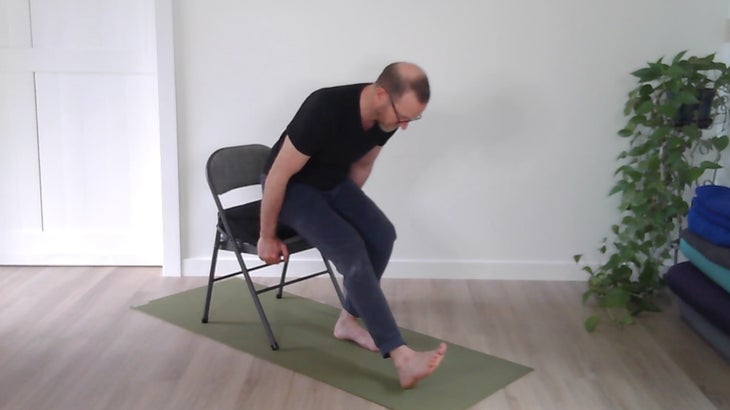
{"x": 671, "y": 146}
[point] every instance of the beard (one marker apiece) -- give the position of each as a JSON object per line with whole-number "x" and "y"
{"x": 382, "y": 113}
{"x": 388, "y": 128}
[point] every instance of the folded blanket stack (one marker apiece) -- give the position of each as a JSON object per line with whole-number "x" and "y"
{"x": 703, "y": 284}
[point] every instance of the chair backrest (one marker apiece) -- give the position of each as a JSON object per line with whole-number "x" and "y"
{"x": 235, "y": 167}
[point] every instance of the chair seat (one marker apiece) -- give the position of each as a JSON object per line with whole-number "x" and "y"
{"x": 246, "y": 226}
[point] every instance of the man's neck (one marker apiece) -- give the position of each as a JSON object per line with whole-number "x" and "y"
{"x": 367, "y": 108}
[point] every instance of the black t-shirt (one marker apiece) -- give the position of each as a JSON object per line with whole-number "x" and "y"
{"x": 328, "y": 129}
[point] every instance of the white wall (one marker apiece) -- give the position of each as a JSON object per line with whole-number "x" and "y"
{"x": 506, "y": 175}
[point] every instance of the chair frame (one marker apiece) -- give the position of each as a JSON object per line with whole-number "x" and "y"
{"x": 225, "y": 240}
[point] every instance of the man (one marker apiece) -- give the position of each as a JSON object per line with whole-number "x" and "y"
{"x": 313, "y": 184}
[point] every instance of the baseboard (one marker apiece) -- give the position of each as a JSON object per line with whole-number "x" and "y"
{"x": 50, "y": 259}
{"x": 416, "y": 268}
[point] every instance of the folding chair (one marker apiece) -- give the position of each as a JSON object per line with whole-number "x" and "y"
{"x": 238, "y": 226}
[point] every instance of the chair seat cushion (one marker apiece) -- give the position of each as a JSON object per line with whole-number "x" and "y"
{"x": 701, "y": 293}
{"x": 245, "y": 223}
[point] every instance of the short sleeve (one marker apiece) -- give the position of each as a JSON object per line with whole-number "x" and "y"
{"x": 308, "y": 130}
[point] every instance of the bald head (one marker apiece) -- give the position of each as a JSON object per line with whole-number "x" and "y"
{"x": 399, "y": 78}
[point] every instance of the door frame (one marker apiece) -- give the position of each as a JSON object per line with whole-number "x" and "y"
{"x": 164, "y": 28}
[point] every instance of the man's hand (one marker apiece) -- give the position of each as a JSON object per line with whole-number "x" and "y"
{"x": 272, "y": 250}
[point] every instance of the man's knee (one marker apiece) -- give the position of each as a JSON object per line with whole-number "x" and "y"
{"x": 387, "y": 232}
{"x": 346, "y": 253}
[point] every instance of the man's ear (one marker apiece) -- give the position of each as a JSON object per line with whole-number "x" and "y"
{"x": 381, "y": 96}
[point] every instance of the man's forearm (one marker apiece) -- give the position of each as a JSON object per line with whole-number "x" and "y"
{"x": 360, "y": 174}
{"x": 271, "y": 201}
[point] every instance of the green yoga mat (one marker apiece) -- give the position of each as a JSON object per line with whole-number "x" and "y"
{"x": 303, "y": 329}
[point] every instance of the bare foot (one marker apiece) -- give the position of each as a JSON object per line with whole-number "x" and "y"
{"x": 348, "y": 328}
{"x": 412, "y": 366}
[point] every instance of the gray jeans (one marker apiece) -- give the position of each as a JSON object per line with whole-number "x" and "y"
{"x": 352, "y": 232}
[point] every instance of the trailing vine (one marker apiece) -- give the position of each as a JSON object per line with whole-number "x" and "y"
{"x": 669, "y": 151}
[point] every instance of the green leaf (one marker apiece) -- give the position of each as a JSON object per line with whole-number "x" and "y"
{"x": 679, "y": 56}
{"x": 721, "y": 142}
{"x": 670, "y": 108}
{"x": 649, "y": 306}
{"x": 591, "y": 323}
{"x": 692, "y": 131}
{"x": 620, "y": 186}
{"x": 658, "y": 69}
{"x": 675, "y": 143}
{"x": 576, "y": 258}
{"x": 632, "y": 173}
{"x": 628, "y": 107}
{"x": 639, "y": 150}
{"x": 710, "y": 165}
{"x": 676, "y": 71}
{"x": 617, "y": 297}
{"x": 695, "y": 173}
{"x": 587, "y": 295}
{"x": 646, "y": 90}
{"x": 660, "y": 133}
{"x": 626, "y": 132}
{"x": 673, "y": 86}
{"x": 686, "y": 97}
{"x": 646, "y": 74}
{"x": 627, "y": 320}
{"x": 644, "y": 108}
{"x": 653, "y": 163}
{"x": 675, "y": 159}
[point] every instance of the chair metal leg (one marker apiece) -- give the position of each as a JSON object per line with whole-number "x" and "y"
{"x": 334, "y": 279}
{"x": 211, "y": 277}
{"x": 283, "y": 279}
{"x": 252, "y": 289}
{"x": 257, "y": 302}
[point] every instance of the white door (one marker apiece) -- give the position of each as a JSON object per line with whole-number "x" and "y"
{"x": 79, "y": 133}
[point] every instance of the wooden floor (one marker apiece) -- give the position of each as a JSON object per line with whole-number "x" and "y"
{"x": 68, "y": 340}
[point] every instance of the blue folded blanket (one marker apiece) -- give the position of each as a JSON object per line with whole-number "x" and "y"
{"x": 700, "y": 224}
{"x": 709, "y": 215}
{"x": 714, "y": 199}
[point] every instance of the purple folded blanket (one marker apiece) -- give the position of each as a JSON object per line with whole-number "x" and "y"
{"x": 701, "y": 293}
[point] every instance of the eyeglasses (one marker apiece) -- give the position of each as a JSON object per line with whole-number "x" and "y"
{"x": 397, "y": 116}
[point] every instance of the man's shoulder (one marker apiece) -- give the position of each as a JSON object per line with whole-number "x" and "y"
{"x": 342, "y": 91}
